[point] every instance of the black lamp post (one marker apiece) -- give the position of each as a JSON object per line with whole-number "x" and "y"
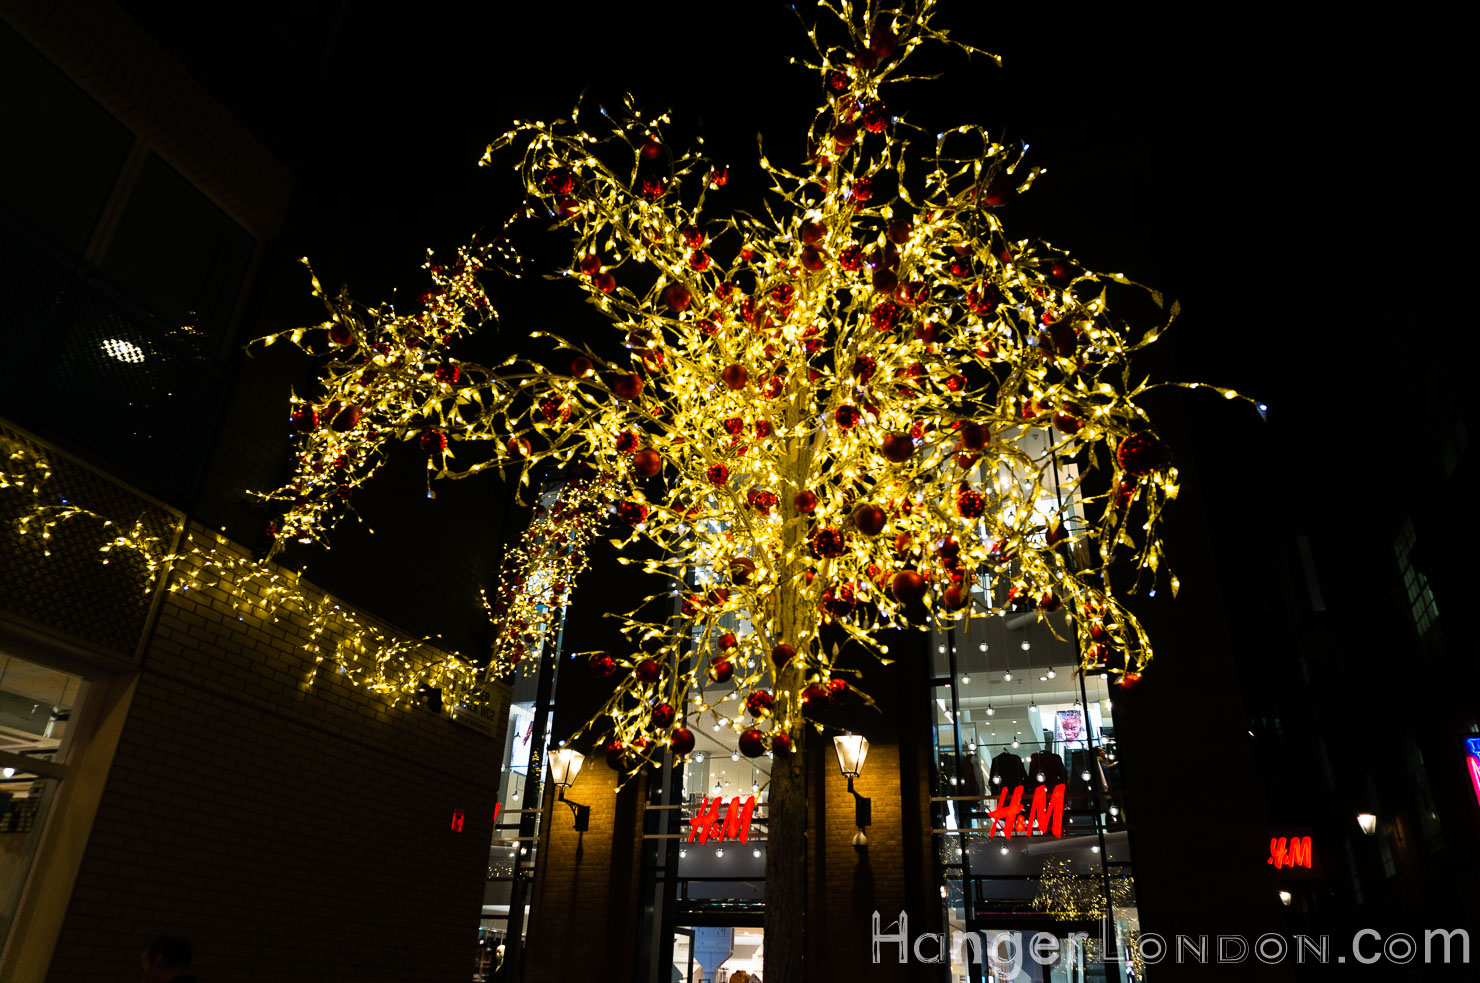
{"x": 565, "y": 764}
{"x": 852, "y": 749}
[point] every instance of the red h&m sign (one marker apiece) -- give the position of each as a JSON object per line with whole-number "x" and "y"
{"x": 1046, "y": 812}
{"x": 1289, "y": 851}
{"x": 707, "y": 824}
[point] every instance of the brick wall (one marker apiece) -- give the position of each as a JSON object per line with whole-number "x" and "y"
{"x": 292, "y": 831}
{"x": 584, "y": 916}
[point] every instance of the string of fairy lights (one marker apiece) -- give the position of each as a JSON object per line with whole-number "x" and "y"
{"x": 822, "y": 406}
{"x": 364, "y": 653}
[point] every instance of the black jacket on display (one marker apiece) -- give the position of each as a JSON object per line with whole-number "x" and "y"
{"x": 1007, "y": 773}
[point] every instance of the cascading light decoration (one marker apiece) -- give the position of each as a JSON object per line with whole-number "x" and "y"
{"x": 368, "y": 656}
{"x": 844, "y": 409}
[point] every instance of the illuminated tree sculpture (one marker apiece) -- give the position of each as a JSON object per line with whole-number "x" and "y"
{"x": 819, "y": 420}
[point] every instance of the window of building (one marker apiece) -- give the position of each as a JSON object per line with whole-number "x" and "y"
{"x": 63, "y": 152}
{"x": 1421, "y": 604}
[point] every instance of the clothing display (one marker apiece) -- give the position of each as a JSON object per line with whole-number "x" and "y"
{"x": 1047, "y": 768}
{"x": 1007, "y": 773}
{"x": 1080, "y": 762}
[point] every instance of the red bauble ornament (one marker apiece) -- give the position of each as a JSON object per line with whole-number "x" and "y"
{"x": 971, "y": 504}
{"x": 590, "y": 264}
{"x": 648, "y": 670}
{"x": 885, "y": 280}
{"x": 721, "y": 670}
{"x": 780, "y": 744}
{"x": 954, "y": 597}
{"x": 813, "y": 232}
{"x": 1061, "y": 270}
{"x": 727, "y": 641}
{"x": 850, "y": 257}
{"x": 663, "y": 715}
{"x": 804, "y": 502}
{"x": 650, "y": 186}
{"x": 782, "y": 654}
{"x": 605, "y": 282}
{"x": 926, "y": 331}
{"x": 1067, "y": 424}
{"x": 828, "y": 541}
{"x": 974, "y": 436}
{"x": 602, "y": 664}
{"x": 814, "y": 693}
{"x": 735, "y": 376}
{"x": 682, "y": 741}
{"x": 847, "y": 416}
{"x": 897, "y": 447}
{"x": 863, "y": 189}
{"x": 617, "y": 756}
{"x": 886, "y": 315}
{"x": 844, "y": 134}
{"x": 580, "y": 366}
{"x": 561, "y": 180}
{"x": 956, "y": 383}
{"x": 907, "y": 587}
{"x": 837, "y": 690}
{"x": 677, "y": 296}
{"x": 343, "y": 418}
{"x": 718, "y": 474}
{"x": 627, "y": 386}
{"x": 875, "y": 117}
{"x": 647, "y": 462}
{"x": 1049, "y": 602}
{"x": 883, "y": 42}
{"x": 304, "y": 419}
{"x": 447, "y": 373}
{"x": 720, "y": 176}
{"x": 518, "y": 446}
{"x": 811, "y": 259}
{"x": 626, "y": 442}
{"x": 1139, "y": 453}
{"x": 742, "y": 568}
{"x": 759, "y": 703}
{"x": 433, "y": 442}
{"x": 752, "y": 743}
{"x": 869, "y": 519}
{"x": 340, "y": 334}
{"x": 631, "y": 512}
{"x": 899, "y": 231}
{"x": 763, "y": 429}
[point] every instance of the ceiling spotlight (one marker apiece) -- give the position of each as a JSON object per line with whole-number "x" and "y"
{"x": 1043, "y": 679}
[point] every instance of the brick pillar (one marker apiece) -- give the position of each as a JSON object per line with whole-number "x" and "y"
{"x": 584, "y": 911}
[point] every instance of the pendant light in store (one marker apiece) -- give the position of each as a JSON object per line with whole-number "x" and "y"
{"x": 991, "y": 710}
{"x": 1051, "y": 672}
{"x": 965, "y": 679}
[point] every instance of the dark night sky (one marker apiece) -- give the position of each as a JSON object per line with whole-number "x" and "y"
{"x": 1284, "y": 173}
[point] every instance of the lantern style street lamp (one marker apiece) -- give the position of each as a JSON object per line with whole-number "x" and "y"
{"x": 852, "y": 749}
{"x": 1368, "y": 822}
{"x": 565, "y": 765}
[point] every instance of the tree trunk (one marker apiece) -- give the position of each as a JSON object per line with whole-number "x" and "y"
{"x": 786, "y": 862}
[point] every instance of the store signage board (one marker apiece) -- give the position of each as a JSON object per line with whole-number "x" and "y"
{"x": 1046, "y": 812}
{"x": 707, "y": 824}
{"x": 1289, "y": 851}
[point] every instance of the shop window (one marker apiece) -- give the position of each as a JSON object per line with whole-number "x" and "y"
{"x": 1421, "y": 605}
{"x": 36, "y": 705}
{"x": 1423, "y": 796}
{"x": 178, "y": 255}
{"x": 63, "y": 152}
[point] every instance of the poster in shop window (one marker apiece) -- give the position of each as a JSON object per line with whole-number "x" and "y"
{"x": 1069, "y": 730}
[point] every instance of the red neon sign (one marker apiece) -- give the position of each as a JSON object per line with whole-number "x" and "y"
{"x": 1046, "y": 813}
{"x": 1289, "y": 851}
{"x": 707, "y": 824}
{"x": 457, "y": 818}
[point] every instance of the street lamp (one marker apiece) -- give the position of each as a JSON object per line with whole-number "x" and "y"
{"x": 565, "y": 765}
{"x": 1368, "y": 822}
{"x": 852, "y": 750}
